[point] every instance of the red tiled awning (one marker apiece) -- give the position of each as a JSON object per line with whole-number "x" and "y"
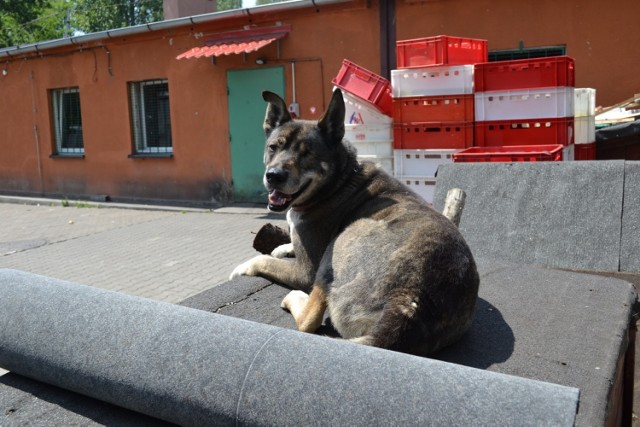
{"x": 235, "y": 42}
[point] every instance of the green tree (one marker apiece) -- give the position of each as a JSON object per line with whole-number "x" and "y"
{"x": 24, "y": 22}
{"x": 29, "y": 21}
{"x": 99, "y": 15}
{"x": 237, "y": 4}
{"x": 228, "y": 5}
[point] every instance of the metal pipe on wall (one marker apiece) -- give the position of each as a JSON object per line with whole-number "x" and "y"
{"x": 387, "y": 37}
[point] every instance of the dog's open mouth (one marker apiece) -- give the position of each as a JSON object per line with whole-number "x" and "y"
{"x": 279, "y": 201}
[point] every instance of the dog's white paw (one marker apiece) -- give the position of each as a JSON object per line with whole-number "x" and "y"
{"x": 294, "y": 301}
{"x": 247, "y": 268}
{"x": 283, "y": 251}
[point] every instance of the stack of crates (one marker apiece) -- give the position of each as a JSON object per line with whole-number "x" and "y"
{"x": 368, "y": 125}
{"x": 585, "y": 124}
{"x": 433, "y": 105}
{"x": 526, "y": 102}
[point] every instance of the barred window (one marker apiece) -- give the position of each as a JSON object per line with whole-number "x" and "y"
{"x": 150, "y": 118}
{"x": 67, "y": 121}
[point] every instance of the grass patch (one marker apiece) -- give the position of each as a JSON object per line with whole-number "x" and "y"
{"x": 82, "y": 205}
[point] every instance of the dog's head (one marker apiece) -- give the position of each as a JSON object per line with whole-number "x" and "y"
{"x": 300, "y": 155}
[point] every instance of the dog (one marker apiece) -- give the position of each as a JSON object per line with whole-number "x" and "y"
{"x": 390, "y": 270}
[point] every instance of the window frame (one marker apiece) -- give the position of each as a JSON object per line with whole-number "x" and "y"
{"x": 140, "y": 133}
{"x": 61, "y": 143}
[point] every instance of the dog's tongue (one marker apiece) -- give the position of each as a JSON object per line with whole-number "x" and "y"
{"x": 277, "y": 198}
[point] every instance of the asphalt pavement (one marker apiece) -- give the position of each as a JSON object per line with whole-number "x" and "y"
{"x": 162, "y": 253}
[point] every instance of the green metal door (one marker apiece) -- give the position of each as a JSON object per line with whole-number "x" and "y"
{"x": 246, "y": 115}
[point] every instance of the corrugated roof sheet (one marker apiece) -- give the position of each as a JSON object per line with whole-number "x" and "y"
{"x": 235, "y": 42}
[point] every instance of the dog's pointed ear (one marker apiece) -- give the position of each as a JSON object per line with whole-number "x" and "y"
{"x": 277, "y": 113}
{"x": 332, "y": 122}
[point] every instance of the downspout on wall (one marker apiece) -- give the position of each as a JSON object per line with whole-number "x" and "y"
{"x": 387, "y": 37}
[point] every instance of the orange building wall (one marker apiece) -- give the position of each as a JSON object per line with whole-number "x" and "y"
{"x": 200, "y": 168}
{"x": 600, "y": 36}
{"x": 18, "y": 159}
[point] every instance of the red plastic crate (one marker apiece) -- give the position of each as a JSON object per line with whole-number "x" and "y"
{"x": 366, "y": 85}
{"x": 440, "y": 50}
{"x": 525, "y": 74}
{"x": 432, "y": 135}
{"x": 585, "y": 151}
{"x": 518, "y": 153}
{"x": 524, "y": 132}
{"x": 447, "y": 108}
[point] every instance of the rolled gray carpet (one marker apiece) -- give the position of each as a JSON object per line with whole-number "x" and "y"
{"x": 196, "y": 368}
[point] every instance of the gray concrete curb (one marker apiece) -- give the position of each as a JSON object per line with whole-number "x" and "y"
{"x": 237, "y": 208}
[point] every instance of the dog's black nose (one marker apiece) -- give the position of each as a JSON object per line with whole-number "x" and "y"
{"x": 276, "y": 175}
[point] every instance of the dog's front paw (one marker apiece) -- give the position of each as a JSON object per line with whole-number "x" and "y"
{"x": 294, "y": 301}
{"x": 283, "y": 251}
{"x": 248, "y": 268}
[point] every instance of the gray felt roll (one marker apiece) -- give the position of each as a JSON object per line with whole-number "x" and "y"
{"x": 196, "y": 368}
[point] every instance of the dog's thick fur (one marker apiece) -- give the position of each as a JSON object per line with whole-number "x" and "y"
{"x": 392, "y": 272}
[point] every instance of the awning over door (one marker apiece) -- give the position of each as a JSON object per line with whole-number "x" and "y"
{"x": 234, "y": 42}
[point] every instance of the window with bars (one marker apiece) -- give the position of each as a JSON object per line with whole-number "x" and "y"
{"x": 67, "y": 121}
{"x": 150, "y": 118}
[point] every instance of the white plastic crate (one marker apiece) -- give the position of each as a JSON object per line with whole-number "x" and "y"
{"x": 374, "y": 148}
{"x": 385, "y": 162}
{"x": 360, "y": 112}
{"x": 375, "y": 132}
{"x": 585, "y": 129}
{"x": 585, "y": 102}
{"x": 550, "y": 102}
{"x": 424, "y": 186}
{"x": 420, "y": 162}
{"x": 431, "y": 81}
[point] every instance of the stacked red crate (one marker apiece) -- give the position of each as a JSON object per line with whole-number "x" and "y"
{"x": 365, "y": 84}
{"x": 368, "y": 125}
{"x": 514, "y": 153}
{"x": 433, "y": 92}
{"x": 433, "y": 105}
{"x": 525, "y": 102}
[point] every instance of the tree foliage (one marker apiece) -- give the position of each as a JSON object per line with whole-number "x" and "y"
{"x": 30, "y": 21}
{"x": 24, "y": 22}
{"x": 228, "y": 4}
{"x": 98, "y": 15}
{"x": 27, "y": 21}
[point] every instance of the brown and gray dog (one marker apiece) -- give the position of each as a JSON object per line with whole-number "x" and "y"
{"x": 391, "y": 271}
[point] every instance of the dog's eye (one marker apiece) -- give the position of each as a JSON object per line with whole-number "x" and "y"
{"x": 271, "y": 148}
